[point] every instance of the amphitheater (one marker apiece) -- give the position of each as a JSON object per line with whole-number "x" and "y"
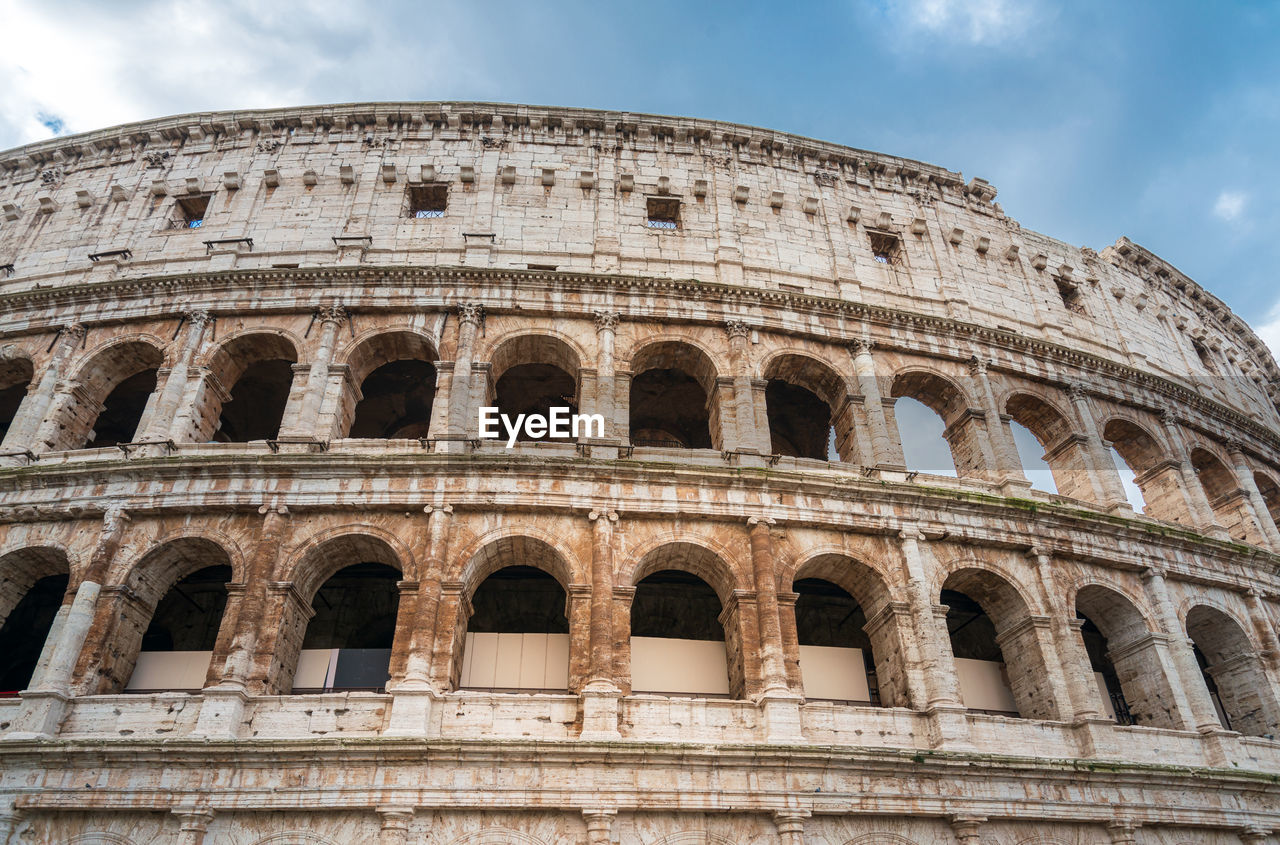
{"x": 263, "y": 581}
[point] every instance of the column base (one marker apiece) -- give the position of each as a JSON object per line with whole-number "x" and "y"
{"x": 949, "y": 727}
{"x": 41, "y": 715}
{"x": 781, "y": 714}
{"x": 222, "y": 712}
{"x": 412, "y": 703}
{"x": 601, "y": 707}
{"x": 1095, "y": 737}
{"x": 1220, "y": 746}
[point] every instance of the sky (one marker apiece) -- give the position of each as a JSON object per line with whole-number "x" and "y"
{"x": 1155, "y": 120}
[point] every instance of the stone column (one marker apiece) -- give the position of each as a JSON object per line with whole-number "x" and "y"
{"x": 886, "y": 449}
{"x": 1004, "y": 451}
{"x": 463, "y": 404}
{"x": 40, "y": 395}
{"x": 1103, "y": 475}
{"x": 193, "y": 824}
{"x": 1071, "y": 654}
{"x": 935, "y": 655}
{"x": 599, "y": 826}
{"x": 966, "y": 828}
{"x": 1122, "y": 832}
{"x": 750, "y": 438}
{"x": 1194, "y": 694}
{"x": 790, "y": 825}
{"x": 224, "y": 702}
{"x": 44, "y": 703}
{"x": 395, "y": 825}
{"x": 1244, "y": 477}
{"x": 164, "y": 420}
{"x": 1201, "y": 512}
{"x": 606, "y": 385}
{"x": 600, "y": 695}
{"x": 303, "y": 420}
{"x": 763, "y": 563}
{"x": 1264, "y": 628}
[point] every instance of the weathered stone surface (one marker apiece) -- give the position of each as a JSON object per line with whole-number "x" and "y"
{"x": 746, "y": 347}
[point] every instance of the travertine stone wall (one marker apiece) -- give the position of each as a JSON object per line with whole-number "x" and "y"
{"x": 544, "y": 256}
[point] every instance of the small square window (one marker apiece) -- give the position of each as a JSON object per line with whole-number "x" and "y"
{"x": 428, "y": 200}
{"x": 884, "y": 246}
{"x": 191, "y": 212}
{"x": 664, "y": 213}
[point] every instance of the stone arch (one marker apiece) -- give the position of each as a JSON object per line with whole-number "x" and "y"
{"x": 694, "y": 837}
{"x": 880, "y": 839}
{"x": 797, "y": 385}
{"x": 1013, "y": 636}
{"x": 1064, "y": 449}
{"x": 1222, "y": 489}
{"x": 143, "y": 583}
{"x": 1155, "y": 473}
{"x": 405, "y": 360}
{"x": 16, "y": 373}
{"x": 251, "y": 377}
{"x": 517, "y": 548}
{"x": 694, "y": 558}
{"x": 674, "y": 390}
{"x": 294, "y": 837}
{"x": 533, "y": 372}
{"x": 1233, "y": 671}
{"x": 33, "y": 586}
{"x": 116, "y": 384}
{"x": 497, "y": 836}
{"x": 1130, "y": 655}
{"x": 964, "y": 430}
{"x": 1269, "y": 488}
{"x": 322, "y": 555}
{"x": 100, "y": 838}
{"x": 882, "y": 626}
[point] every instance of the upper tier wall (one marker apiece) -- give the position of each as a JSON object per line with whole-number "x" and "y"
{"x": 570, "y": 189}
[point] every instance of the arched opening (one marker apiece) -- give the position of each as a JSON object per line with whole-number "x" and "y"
{"x": 518, "y": 634}
{"x": 397, "y": 378}
{"x": 678, "y": 640}
{"x": 122, "y": 411}
{"x": 802, "y": 397}
{"x": 836, "y": 659}
{"x": 1225, "y": 496}
{"x": 999, "y": 662}
{"x": 1270, "y": 491}
{"x": 533, "y": 374}
{"x": 1053, "y": 458}
{"x": 868, "y": 624}
{"x": 960, "y": 430}
{"x": 513, "y": 626}
{"x": 1128, "y": 663}
{"x": 116, "y": 386}
{"x": 15, "y": 379}
{"x": 671, "y": 405}
{"x": 1233, "y": 673}
{"x": 33, "y": 584}
{"x": 178, "y": 643}
{"x": 258, "y": 369}
{"x": 1155, "y": 476}
{"x": 348, "y": 641}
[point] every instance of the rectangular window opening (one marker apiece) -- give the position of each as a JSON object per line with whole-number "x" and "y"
{"x": 884, "y": 246}
{"x": 428, "y": 200}
{"x": 1070, "y": 295}
{"x": 191, "y": 212}
{"x": 663, "y": 213}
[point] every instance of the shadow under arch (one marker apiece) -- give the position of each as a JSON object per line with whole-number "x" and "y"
{"x": 1233, "y": 672}
{"x": 392, "y": 387}
{"x": 118, "y": 380}
{"x": 33, "y": 586}
{"x": 674, "y": 396}
{"x": 255, "y": 369}
{"x": 805, "y": 399}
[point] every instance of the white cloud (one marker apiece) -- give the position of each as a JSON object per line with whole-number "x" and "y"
{"x": 985, "y": 22}
{"x": 92, "y": 65}
{"x": 1230, "y": 205}
{"x": 1270, "y": 332}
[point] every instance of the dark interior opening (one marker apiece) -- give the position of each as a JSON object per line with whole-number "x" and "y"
{"x": 669, "y": 408}
{"x": 677, "y": 605}
{"x": 397, "y": 400}
{"x": 535, "y": 389}
{"x": 799, "y": 421}
{"x": 24, "y": 632}
{"x": 122, "y": 411}
{"x": 257, "y": 403}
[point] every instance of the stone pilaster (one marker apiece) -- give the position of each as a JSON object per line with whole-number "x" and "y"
{"x": 25, "y": 430}
{"x": 750, "y": 437}
{"x": 302, "y": 419}
{"x": 790, "y": 825}
{"x": 599, "y": 826}
{"x": 395, "y": 822}
{"x": 886, "y": 449}
{"x": 1008, "y": 462}
{"x": 1108, "y": 489}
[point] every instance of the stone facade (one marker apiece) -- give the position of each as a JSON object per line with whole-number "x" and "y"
{"x": 198, "y": 313}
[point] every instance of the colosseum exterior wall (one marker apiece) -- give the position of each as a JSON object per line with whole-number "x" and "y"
{"x": 505, "y": 247}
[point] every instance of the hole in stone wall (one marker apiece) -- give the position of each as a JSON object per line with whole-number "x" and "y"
{"x": 669, "y": 408}
{"x": 1069, "y": 292}
{"x": 885, "y": 246}
{"x": 191, "y": 211}
{"x": 122, "y": 411}
{"x": 829, "y": 625}
{"x": 920, "y": 430}
{"x": 799, "y": 421}
{"x": 25, "y": 630}
{"x": 257, "y": 403}
{"x": 428, "y": 200}
{"x": 535, "y": 389}
{"x": 396, "y": 401}
{"x": 663, "y": 213}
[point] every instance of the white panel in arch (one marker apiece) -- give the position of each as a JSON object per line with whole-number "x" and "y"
{"x": 835, "y": 673}
{"x": 659, "y": 664}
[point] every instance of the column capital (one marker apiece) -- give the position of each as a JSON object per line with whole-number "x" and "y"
{"x": 73, "y": 332}
{"x": 861, "y": 346}
{"x": 336, "y": 314}
{"x": 607, "y": 320}
{"x": 429, "y": 509}
{"x": 736, "y": 329}
{"x": 978, "y": 366}
{"x": 1151, "y": 573}
{"x": 608, "y": 515}
{"x": 1122, "y": 832}
{"x": 471, "y": 312}
{"x": 274, "y": 507}
{"x": 912, "y": 534}
{"x": 761, "y": 520}
{"x": 198, "y": 318}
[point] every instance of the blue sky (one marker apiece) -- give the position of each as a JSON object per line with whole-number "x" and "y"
{"x": 1155, "y": 120}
